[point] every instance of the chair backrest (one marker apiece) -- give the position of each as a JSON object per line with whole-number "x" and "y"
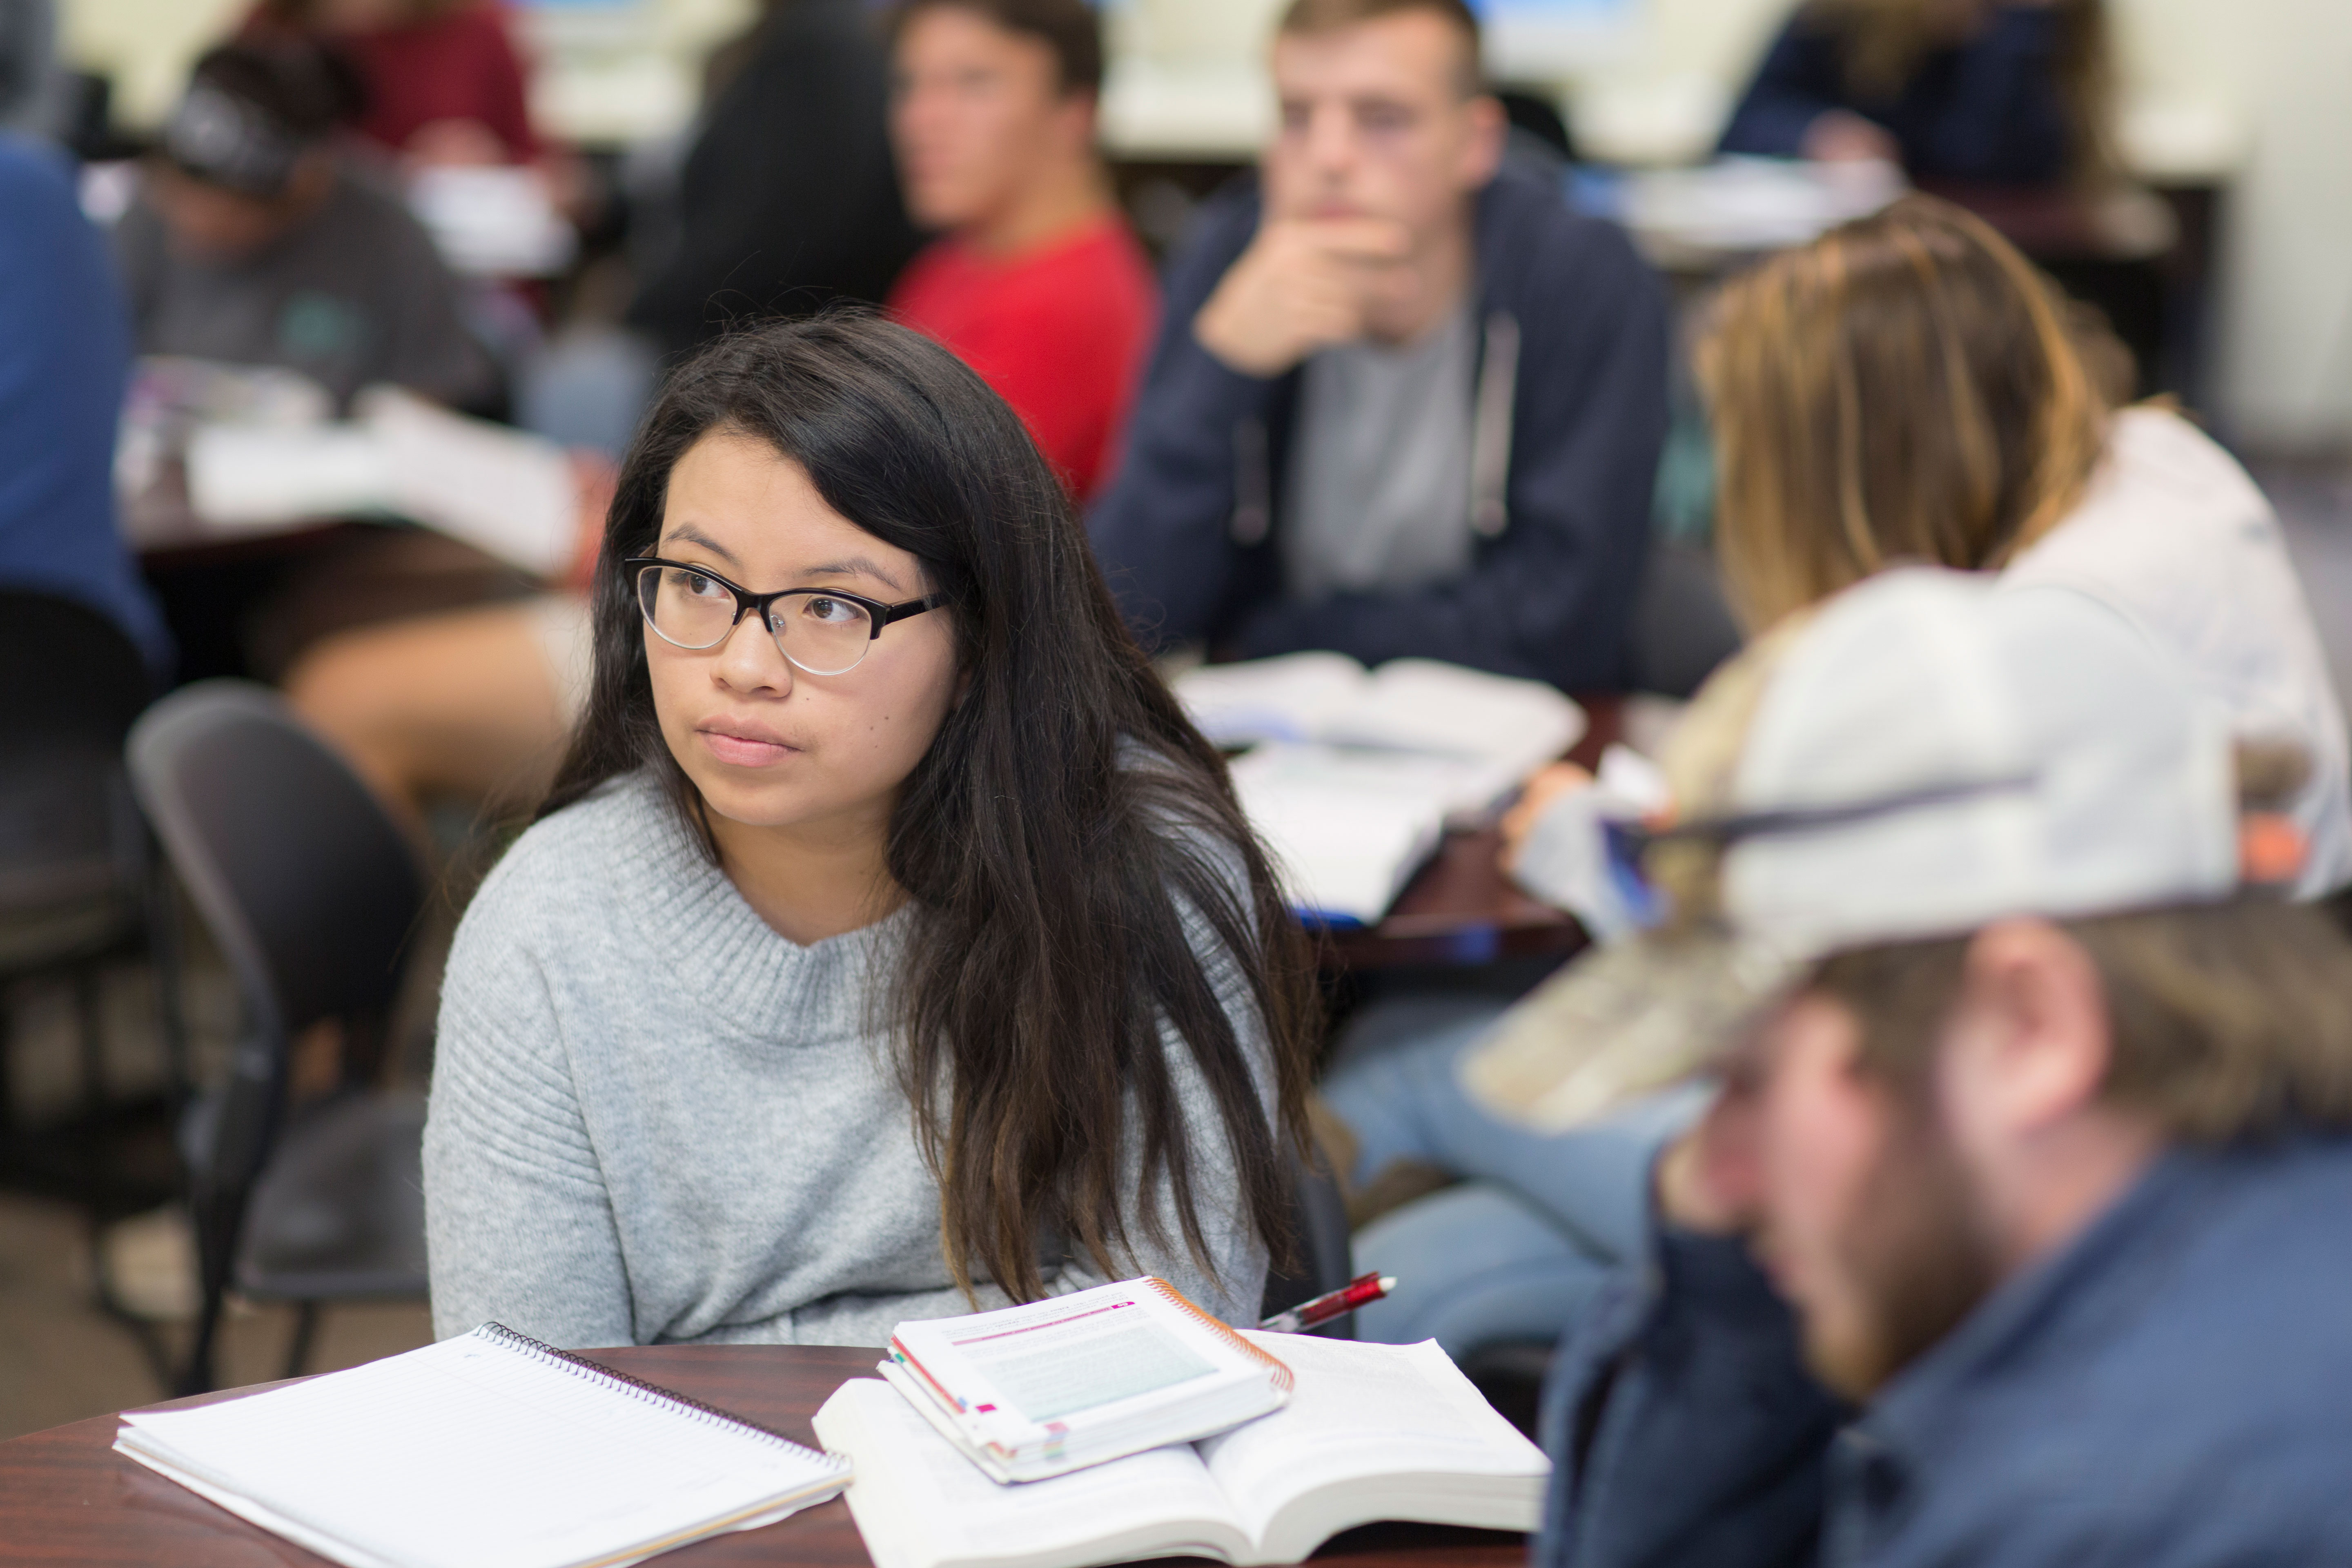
{"x": 305, "y": 884}
{"x": 1323, "y": 1257}
{"x": 309, "y": 893}
{"x": 67, "y": 670}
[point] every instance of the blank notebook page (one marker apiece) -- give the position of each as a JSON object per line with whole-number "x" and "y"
{"x": 475, "y": 1451}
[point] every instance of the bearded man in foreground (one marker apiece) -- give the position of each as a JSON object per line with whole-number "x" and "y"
{"x": 2019, "y": 1229}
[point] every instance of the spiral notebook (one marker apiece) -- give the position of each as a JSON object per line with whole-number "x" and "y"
{"x": 489, "y": 1448}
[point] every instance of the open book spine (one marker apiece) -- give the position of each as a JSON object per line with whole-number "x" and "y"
{"x": 639, "y": 1389}
{"x": 1283, "y": 1379}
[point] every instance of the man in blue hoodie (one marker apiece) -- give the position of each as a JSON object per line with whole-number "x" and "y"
{"x": 2015, "y": 1233}
{"x": 1405, "y": 401}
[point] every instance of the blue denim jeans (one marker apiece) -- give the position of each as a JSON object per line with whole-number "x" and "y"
{"x": 1516, "y": 1251}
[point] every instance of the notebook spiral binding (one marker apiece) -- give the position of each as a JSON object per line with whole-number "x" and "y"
{"x": 637, "y": 1388}
{"x": 1284, "y": 1378}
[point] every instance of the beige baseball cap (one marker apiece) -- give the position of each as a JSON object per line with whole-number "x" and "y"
{"x": 1923, "y": 754}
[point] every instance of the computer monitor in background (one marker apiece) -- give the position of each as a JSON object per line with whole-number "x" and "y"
{"x": 1550, "y": 41}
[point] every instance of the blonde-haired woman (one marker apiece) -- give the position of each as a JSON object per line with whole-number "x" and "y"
{"x": 1906, "y": 388}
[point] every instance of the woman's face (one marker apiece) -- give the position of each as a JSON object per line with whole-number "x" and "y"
{"x": 768, "y": 744}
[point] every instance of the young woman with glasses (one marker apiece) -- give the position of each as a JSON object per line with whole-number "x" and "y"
{"x": 889, "y": 944}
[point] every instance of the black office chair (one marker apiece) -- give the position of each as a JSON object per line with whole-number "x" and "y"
{"x": 311, "y": 893}
{"x": 78, "y": 892}
{"x": 1323, "y": 1256}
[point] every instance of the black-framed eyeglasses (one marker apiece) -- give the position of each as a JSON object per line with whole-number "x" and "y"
{"x": 823, "y": 631}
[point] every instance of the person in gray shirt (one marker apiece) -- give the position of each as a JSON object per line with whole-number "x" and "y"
{"x": 1405, "y": 403}
{"x": 257, "y": 240}
{"x": 1379, "y": 465}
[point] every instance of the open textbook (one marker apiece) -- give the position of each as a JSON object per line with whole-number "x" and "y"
{"x": 1347, "y": 829}
{"x": 1355, "y": 774}
{"x": 1371, "y": 1432}
{"x": 488, "y": 1448}
{"x": 1055, "y": 1385}
{"x": 506, "y": 492}
{"x": 1405, "y": 705}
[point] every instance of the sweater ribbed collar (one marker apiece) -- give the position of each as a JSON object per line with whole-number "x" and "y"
{"x": 702, "y": 937}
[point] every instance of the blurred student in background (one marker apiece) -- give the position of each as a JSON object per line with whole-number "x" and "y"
{"x": 445, "y": 82}
{"x": 787, "y": 199}
{"x": 1036, "y": 283}
{"x": 2010, "y": 92}
{"x": 255, "y": 241}
{"x": 65, "y": 352}
{"x": 35, "y": 100}
{"x": 1980, "y": 432}
{"x": 1906, "y": 388}
{"x": 1404, "y": 402}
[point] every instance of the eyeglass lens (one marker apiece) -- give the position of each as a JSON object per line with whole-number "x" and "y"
{"x": 819, "y": 632}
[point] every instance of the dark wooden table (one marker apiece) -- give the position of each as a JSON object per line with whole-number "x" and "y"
{"x": 1461, "y": 908}
{"x": 66, "y": 1497}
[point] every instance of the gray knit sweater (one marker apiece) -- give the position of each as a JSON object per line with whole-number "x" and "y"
{"x": 654, "y": 1120}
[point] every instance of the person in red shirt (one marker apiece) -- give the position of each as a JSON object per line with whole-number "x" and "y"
{"x": 445, "y": 82}
{"x": 1037, "y": 282}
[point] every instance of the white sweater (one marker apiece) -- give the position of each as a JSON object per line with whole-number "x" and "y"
{"x": 655, "y": 1120}
{"x": 2173, "y": 536}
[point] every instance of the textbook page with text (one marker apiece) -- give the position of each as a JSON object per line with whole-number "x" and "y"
{"x": 1371, "y": 1431}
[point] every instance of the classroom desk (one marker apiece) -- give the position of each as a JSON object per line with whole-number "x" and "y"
{"x": 1461, "y": 908}
{"x": 66, "y": 1497}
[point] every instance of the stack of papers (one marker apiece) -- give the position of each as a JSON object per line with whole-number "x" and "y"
{"x": 503, "y": 491}
{"x": 1356, "y": 774}
{"x": 1740, "y": 205}
{"x": 1347, "y": 829}
{"x": 493, "y": 220}
{"x": 1040, "y": 1390}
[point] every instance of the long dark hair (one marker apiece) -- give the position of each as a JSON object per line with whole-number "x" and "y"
{"x": 1070, "y": 843}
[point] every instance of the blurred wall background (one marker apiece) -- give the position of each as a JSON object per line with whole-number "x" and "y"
{"x": 2285, "y": 330}
{"x": 2256, "y": 94}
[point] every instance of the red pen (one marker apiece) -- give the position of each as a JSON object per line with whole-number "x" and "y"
{"x": 1338, "y": 1303}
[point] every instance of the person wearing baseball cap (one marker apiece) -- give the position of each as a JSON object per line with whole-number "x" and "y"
{"x": 2015, "y": 1231}
{"x": 257, "y": 240}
